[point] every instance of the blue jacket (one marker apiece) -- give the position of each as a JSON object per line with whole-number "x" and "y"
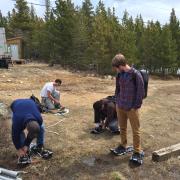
{"x": 24, "y": 110}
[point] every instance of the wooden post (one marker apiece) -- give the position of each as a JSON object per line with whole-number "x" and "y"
{"x": 166, "y": 153}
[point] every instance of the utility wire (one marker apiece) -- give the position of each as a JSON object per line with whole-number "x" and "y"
{"x": 36, "y": 4}
{"x": 43, "y": 5}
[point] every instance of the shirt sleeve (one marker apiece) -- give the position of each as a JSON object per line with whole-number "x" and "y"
{"x": 139, "y": 91}
{"x": 16, "y": 137}
{"x": 117, "y": 86}
{"x": 110, "y": 114}
{"x": 50, "y": 88}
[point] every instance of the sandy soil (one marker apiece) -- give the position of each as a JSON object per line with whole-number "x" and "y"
{"x": 77, "y": 153}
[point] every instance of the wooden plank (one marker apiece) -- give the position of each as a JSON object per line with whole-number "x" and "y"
{"x": 166, "y": 153}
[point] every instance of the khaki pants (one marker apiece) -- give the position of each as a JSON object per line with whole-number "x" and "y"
{"x": 133, "y": 116}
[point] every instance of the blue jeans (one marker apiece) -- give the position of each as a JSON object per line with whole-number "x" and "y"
{"x": 40, "y": 138}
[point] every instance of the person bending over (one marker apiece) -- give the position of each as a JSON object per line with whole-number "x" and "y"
{"x": 105, "y": 116}
{"x": 26, "y": 116}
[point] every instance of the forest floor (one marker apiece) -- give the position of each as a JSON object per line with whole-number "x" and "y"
{"x": 77, "y": 153}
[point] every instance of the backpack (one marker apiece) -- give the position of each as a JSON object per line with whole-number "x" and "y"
{"x": 41, "y": 107}
{"x": 111, "y": 98}
{"x": 145, "y": 76}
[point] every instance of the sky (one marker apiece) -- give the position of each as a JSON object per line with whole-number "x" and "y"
{"x": 149, "y": 9}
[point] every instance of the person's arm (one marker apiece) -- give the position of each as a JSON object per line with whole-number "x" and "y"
{"x": 110, "y": 113}
{"x": 139, "y": 91}
{"x": 117, "y": 86}
{"x": 50, "y": 97}
{"x": 16, "y": 137}
{"x": 28, "y": 140}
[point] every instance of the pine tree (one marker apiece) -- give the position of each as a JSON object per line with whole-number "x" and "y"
{"x": 3, "y": 20}
{"x": 48, "y": 10}
{"x": 21, "y": 25}
{"x": 63, "y": 29}
{"x": 175, "y": 31}
{"x": 139, "y": 29}
{"x": 127, "y": 39}
{"x": 168, "y": 52}
{"x": 87, "y": 15}
{"x": 80, "y": 43}
{"x": 174, "y": 24}
{"x": 99, "y": 49}
{"x": 21, "y": 18}
{"x": 32, "y": 13}
{"x": 151, "y": 46}
{"x": 82, "y": 36}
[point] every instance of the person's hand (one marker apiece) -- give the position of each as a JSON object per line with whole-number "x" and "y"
{"x": 56, "y": 101}
{"x": 25, "y": 149}
{"x": 21, "y": 152}
{"x": 62, "y": 107}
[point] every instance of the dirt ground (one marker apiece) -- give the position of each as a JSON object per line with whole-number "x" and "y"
{"x": 77, "y": 153}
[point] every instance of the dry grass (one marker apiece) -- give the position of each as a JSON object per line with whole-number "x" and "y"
{"x": 77, "y": 153}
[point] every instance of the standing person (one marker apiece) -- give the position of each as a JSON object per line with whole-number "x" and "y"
{"x": 129, "y": 96}
{"x": 26, "y": 116}
{"x": 50, "y": 96}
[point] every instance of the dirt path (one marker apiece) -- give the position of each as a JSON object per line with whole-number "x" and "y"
{"x": 77, "y": 153}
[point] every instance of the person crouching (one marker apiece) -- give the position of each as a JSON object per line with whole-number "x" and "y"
{"x": 105, "y": 116}
{"x": 26, "y": 116}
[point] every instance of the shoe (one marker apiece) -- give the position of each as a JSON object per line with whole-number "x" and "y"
{"x": 137, "y": 158}
{"x": 117, "y": 132}
{"x": 46, "y": 154}
{"x": 120, "y": 150}
{"x": 97, "y": 130}
{"x": 23, "y": 160}
{"x": 35, "y": 150}
{"x": 57, "y": 106}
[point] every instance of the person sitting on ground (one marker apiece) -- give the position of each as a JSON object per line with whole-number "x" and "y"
{"x": 50, "y": 96}
{"x": 26, "y": 116}
{"x": 105, "y": 116}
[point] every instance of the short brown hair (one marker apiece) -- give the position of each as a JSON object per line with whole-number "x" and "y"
{"x": 58, "y": 81}
{"x": 119, "y": 60}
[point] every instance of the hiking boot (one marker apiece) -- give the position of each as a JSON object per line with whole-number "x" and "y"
{"x": 137, "y": 157}
{"x": 24, "y": 160}
{"x": 35, "y": 150}
{"x": 97, "y": 130}
{"x": 120, "y": 150}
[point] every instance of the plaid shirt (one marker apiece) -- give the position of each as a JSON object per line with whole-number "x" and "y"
{"x": 129, "y": 89}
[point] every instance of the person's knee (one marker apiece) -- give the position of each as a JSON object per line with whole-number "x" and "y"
{"x": 50, "y": 105}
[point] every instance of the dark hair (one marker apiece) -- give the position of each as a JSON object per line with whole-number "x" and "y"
{"x": 119, "y": 60}
{"x": 98, "y": 105}
{"x": 58, "y": 81}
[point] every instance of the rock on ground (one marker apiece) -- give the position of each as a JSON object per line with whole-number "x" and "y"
{"x": 3, "y": 111}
